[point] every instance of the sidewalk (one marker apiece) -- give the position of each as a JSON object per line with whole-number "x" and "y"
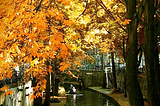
{"x": 118, "y": 97}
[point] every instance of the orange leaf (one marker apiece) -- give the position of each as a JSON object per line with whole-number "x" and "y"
{"x": 40, "y": 45}
{"x": 1, "y": 77}
{"x": 9, "y": 92}
{"x": 34, "y": 74}
{"x": 21, "y": 39}
{"x": 4, "y": 88}
{"x": 31, "y": 97}
{"x": 9, "y": 74}
{"x": 38, "y": 94}
{"x": 126, "y": 22}
{"x": 118, "y": 19}
{"x": 68, "y": 22}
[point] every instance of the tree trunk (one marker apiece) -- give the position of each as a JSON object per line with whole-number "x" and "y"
{"x": 37, "y": 101}
{"x": 134, "y": 93}
{"x": 56, "y": 86}
{"x": 47, "y": 97}
{"x": 55, "y": 79}
{"x": 103, "y": 74}
{"x": 125, "y": 88}
{"x": 53, "y": 76}
{"x": 113, "y": 72}
{"x": 52, "y": 83}
{"x": 151, "y": 56}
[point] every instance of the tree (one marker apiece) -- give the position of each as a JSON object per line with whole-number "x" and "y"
{"x": 47, "y": 90}
{"x": 35, "y": 32}
{"x": 103, "y": 74}
{"x": 151, "y": 53}
{"x": 133, "y": 88}
{"x": 103, "y": 29}
{"x": 113, "y": 72}
{"x": 40, "y": 31}
{"x": 135, "y": 10}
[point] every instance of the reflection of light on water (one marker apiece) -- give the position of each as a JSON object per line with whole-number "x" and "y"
{"x": 74, "y": 100}
{"x": 74, "y": 97}
{"x": 107, "y": 103}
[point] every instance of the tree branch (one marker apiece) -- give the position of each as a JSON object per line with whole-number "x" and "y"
{"x": 121, "y": 1}
{"x": 125, "y": 1}
{"x": 110, "y": 14}
{"x": 38, "y": 7}
{"x": 83, "y": 10}
{"x": 140, "y": 10}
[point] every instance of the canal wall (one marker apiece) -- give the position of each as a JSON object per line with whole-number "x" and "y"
{"x": 91, "y": 78}
{"x": 20, "y": 96}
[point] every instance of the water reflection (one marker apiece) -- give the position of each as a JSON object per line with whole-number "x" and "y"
{"x": 88, "y": 98}
{"x": 74, "y": 97}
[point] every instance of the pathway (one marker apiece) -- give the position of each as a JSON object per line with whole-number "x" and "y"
{"x": 118, "y": 97}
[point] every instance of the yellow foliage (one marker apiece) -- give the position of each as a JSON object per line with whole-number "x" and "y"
{"x": 34, "y": 36}
{"x": 77, "y": 63}
{"x": 118, "y": 19}
{"x": 34, "y": 62}
{"x": 71, "y": 74}
{"x": 64, "y": 66}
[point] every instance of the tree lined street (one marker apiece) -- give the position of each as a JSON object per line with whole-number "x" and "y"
{"x": 49, "y": 42}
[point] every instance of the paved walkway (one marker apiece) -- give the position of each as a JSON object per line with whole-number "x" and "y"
{"x": 118, "y": 97}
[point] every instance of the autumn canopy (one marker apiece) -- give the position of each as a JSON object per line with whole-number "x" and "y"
{"x": 35, "y": 32}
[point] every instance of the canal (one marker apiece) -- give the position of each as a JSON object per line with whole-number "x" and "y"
{"x": 84, "y": 97}
{"x": 88, "y": 97}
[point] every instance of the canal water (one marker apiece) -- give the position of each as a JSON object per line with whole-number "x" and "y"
{"x": 83, "y": 97}
{"x": 88, "y": 97}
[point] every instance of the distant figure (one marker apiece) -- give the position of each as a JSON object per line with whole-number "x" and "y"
{"x": 72, "y": 89}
